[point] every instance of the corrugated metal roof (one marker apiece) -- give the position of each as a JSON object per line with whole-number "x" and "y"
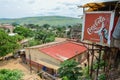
{"x": 64, "y": 51}
{"x": 101, "y": 6}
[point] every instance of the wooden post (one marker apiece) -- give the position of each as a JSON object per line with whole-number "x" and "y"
{"x": 98, "y": 62}
{"x": 107, "y": 52}
{"x": 104, "y": 58}
{"x": 83, "y": 10}
{"x": 88, "y": 61}
{"x": 91, "y": 69}
{"x": 30, "y": 61}
{"x": 38, "y": 66}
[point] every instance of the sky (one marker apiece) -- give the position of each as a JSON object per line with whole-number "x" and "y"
{"x": 29, "y": 8}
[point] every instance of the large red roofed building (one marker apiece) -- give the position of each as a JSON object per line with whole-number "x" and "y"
{"x": 51, "y": 55}
{"x": 63, "y": 51}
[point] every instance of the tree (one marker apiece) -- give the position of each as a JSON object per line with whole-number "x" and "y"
{"x": 32, "y": 26}
{"x": 7, "y": 43}
{"x": 46, "y": 26}
{"x": 33, "y": 42}
{"x": 15, "y": 24}
{"x": 69, "y": 70}
{"x": 18, "y": 37}
{"x": 23, "y": 31}
{"x": 6, "y": 74}
{"x": 44, "y": 37}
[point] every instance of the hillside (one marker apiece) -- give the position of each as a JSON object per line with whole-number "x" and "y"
{"x": 52, "y": 20}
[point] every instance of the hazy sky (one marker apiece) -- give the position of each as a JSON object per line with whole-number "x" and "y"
{"x": 26, "y": 8}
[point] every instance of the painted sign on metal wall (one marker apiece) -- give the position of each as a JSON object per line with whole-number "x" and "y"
{"x": 97, "y": 27}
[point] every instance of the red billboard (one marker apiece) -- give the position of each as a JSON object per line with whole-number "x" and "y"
{"x": 97, "y": 27}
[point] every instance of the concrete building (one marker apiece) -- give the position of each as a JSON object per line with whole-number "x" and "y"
{"x": 49, "y": 56}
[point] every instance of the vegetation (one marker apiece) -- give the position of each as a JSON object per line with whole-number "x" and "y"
{"x": 70, "y": 71}
{"x": 44, "y": 36}
{"x": 102, "y": 76}
{"x": 6, "y": 74}
{"x": 7, "y": 43}
{"x": 86, "y": 75}
{"x": 23, "y": 31}
{"x": 51, "y": 20}
{"x": 18, "y": 37}
{"x": 60, "y": 31}
{"x": 33, "y": 42}
{"x": 101, "y": 64}
{"x": 40, "y": 34}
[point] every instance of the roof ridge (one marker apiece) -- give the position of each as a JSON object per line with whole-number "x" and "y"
{"x": 46, "y": 44}
{"x": 55, "y": 44}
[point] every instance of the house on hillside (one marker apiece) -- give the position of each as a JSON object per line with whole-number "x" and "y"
{"x": 48, "y": 57}
{"x": 7, "y": 26}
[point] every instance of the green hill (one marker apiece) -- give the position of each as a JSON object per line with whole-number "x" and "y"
{"x": 52, "y": 20}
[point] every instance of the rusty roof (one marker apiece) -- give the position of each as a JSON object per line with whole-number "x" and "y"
{"x": 102, "y": 6}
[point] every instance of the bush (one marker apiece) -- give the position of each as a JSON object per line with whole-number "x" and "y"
{"x": 102, "y": 77}
{"x": 6, "y": 74}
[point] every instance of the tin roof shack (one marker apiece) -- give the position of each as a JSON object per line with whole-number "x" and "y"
{"x": 51, "y": 55}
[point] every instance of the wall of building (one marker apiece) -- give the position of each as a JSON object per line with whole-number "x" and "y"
{"x": 36, "y": 55}
{"x": 81, "y": 57}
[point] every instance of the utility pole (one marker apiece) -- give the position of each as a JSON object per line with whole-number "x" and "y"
{"x": 30, "y": 62}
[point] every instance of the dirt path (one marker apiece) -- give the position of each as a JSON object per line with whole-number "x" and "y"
{"x": 17, "y": 64}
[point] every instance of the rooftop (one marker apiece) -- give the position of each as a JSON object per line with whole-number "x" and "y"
{"x": 102, "y": 6}
{"x": 64, "y": 50}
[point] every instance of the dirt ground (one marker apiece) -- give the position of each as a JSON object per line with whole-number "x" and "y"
{"x": 17, "y": 64}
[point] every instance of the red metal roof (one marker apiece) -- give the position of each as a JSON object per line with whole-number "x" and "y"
{"x": 63, "y": 51}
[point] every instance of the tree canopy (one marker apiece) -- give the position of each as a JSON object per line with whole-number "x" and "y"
{"x": 44, "y": 36}
{"x": 6, "y": 74}
{"x": 7, "y": 43}
{"x": 23, "y": 31}
{"x": 69, "y": 70}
